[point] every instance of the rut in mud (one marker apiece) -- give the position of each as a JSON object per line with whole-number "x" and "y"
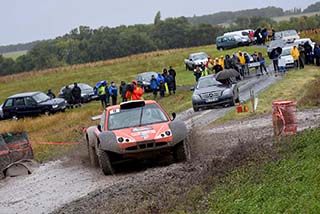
{"x": 216, "y": 151}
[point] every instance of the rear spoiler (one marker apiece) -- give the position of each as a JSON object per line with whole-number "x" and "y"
{"x": 98, "y": 117}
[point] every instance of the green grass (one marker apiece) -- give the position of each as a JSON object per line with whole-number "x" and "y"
{"x": 292, "y": 87}
{"x": 14, "y": 55}
{"x": 65, "y": 126}
{"x": 290, "y": 185}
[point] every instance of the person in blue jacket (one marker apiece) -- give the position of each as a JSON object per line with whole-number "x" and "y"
{"x": 160, "y": 78}
{"x": 154, "y": 86}
{"x": 113, "y": 91}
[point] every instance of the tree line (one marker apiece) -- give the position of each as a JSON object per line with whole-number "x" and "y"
{"x": 83, "y": 44}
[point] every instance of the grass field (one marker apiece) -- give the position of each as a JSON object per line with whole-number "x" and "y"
{"x": 67, "y": 126}
{"x": 289, "y": 183}
{"x": 293, "y": 87}
{"x": 287, "y": 18}
{"x": 14, "y": 55}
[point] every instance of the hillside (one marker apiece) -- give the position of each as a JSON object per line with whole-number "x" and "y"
{"x": 17, "y": 47}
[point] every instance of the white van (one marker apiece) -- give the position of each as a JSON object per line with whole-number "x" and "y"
{"x": 244, "y": 34}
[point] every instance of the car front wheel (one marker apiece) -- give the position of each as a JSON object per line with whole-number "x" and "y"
{"x": 105, "y": 163}
{"x": 181, "y": 151}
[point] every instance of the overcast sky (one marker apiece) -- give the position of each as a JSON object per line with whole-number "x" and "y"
{"x": 29, "y": 20}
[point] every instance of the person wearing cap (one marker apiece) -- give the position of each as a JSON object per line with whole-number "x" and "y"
{"x": 136, "y": 92}
{"x": 51, "y": 94}
{"x": 295, "y": 55}
{"x": 113, "y": 91}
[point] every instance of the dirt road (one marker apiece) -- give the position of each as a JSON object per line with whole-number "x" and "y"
{"x": 58, "y": 183}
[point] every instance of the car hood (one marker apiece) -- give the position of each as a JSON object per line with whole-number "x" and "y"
{"x": 144, "y": 133}
{"x": 199, "y": 61}
{"x": 210, "y": 89}
{"x": 54, "y": 101}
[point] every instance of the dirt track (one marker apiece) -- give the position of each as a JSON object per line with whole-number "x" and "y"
{"x": 81, "y": 188}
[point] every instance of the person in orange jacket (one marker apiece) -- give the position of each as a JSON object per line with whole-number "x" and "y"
{"x": 135, "y": 92}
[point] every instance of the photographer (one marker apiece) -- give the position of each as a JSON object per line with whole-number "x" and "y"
{"x": 134, "y": 91}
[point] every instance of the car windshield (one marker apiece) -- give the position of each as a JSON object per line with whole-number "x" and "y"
{"x": 276, "y": 43}
{"x": 289, "y": 33}
{"x": 40, "y": 97}
{"x": 84, "y": 86}
{"x": 286, "y": 52}
{"x": 145, "y": 76}
{"x": 199, "y": 56}
{"x": 148, "y": 114}
{"x": 208, "y": 82}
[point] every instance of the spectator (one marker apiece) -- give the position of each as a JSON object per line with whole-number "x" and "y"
{"x": 51, "y": 94}
{"x": 107, "y": 94}
{"x": 317, "y": 54}
{"x": 76, "y": 94}
{"x": 154, "y": 86}
{"x": 160, "y": 78}
{"x": 173, "y": 73}
{"x": 262, "y": 63}
{"x": 135, "y": 92}
{"x": 221, "y": 62}
{"x": 295, "y": 54}
{"x": 197, "y": 73}
{"x": 113, "y": 91}
{"x": 67, "y": 92}
{"x": 273, "y": 34}
{"x": 264, "y": 34}
{"x": 162, "y": 88}
{"x": 275, "y": 60}
{"x": 228, "y": 62}
{"x": 217, "y": 67}
{"x": 242, "y": 61}
{"x": 302, "y": 56}
{"x": 102, "y": 95}
{"x": 247, "y": 58}
{"x": 308, "y": 53}
{"x": 123, "y": 90}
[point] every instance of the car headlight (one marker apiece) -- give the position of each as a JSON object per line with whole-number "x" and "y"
{"x": 227, "y": 92}
{"x": 125, "y": 140}
{"x": 164, "y": 134}
{"x": 83, "y": 95}
{"x": 196, "y": 97}
{"x": 55, "y": 106}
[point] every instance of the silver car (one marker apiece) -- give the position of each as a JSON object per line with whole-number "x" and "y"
{"x": 210, "y": 92}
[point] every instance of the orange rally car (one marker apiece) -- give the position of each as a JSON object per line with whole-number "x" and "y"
{"x": 135, "y": 130}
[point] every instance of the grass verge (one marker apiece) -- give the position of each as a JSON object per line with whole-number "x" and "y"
{"x": 289, "y": 184}
{"x": 296, "y": 85}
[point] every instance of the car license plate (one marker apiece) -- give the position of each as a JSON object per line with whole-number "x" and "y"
{"x": 213, "y": 99}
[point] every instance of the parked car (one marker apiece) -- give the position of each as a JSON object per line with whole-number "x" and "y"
{"x": 145, "y": 79}
{"x": 286, "y": 58}
{"x": 288, "y": 35}
{"x": 31, "y": 104}
{"x": 87, "y": 92}
{"x": 297, "y": 42}
{"x": 196, "y": 59}
{"x": 275, "y": 44}
{"x": 244, "y": 34}
{"x": 209, "y": 93}
{"x": 230, "y": 41}
{"x": 135, "y": 130}
{"x": 1, "y": 112}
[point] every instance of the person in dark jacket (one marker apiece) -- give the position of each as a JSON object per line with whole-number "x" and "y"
{"x": 154, "y": 86}
{"x": 76, "y": 94}
{"x": 275, "y": 60}
{"x": 67, "y": 92}
{"x": 162, "y": 88}
{"x": 113, "y": 91}
{"x": 123, "y": 90}
{"x": 308, "y": 53}
{"x": 317, "y": 54}
{"x": 227, "y": 62}
{"x": 169, "y": 81}
{"x": 217, "y": 67}
{"x": 51, "y": 94}
{"x": 302, "y": 56}
{"x": 160, "y": 78}
{"x": 173, "y": 73}
{"x": 197, "y": 73}
{"x": 247, "y": 60}
{"x": 262, "y": 63}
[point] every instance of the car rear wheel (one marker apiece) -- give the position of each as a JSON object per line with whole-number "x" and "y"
{"x": 105, "y": 163}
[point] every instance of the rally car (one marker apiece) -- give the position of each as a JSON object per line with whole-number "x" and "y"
{"x": 135, "y": 130}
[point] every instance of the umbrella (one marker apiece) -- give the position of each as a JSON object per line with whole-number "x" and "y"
{"x": 278, "y": 49}
{"x": 226, "y": 74}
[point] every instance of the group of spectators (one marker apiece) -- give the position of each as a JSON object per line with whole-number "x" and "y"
{"x": 162, "y": 83}
{"x": 71, "y": 95}
{"x": 238, "y": 61}
{"x": 305, "y": 55}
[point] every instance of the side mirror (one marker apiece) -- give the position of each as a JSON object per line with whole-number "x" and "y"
{"x": 192, "y": 88}
{"x": 174, "y": 115}
{"x": 99, "y": 127}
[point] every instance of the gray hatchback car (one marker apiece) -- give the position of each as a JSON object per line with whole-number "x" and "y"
{"x": 209, "y": 93}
